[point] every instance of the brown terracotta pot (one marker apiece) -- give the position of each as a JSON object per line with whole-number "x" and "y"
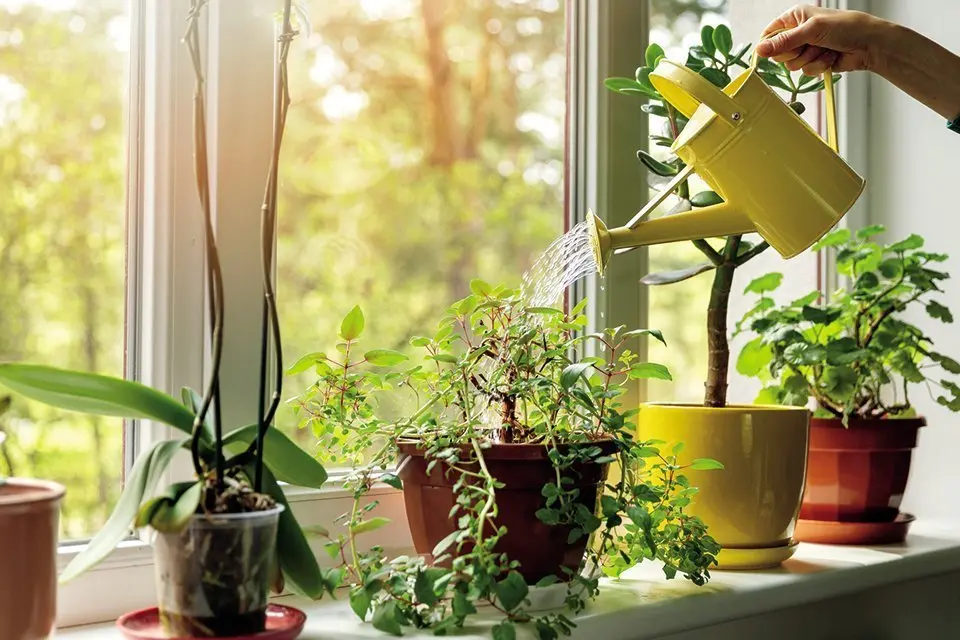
{"x": 524, "y": 469}
{"x": 858, "y": 473}
{"x": 29, "y": 521}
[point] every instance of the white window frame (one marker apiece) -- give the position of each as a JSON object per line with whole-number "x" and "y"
{"x": 166, "y": 307}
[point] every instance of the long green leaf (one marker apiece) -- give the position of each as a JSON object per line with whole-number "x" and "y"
{"x": 659, "y": 168}
{"x": 300, "y": 569}
{"x": 705, "y": 199}
{"x": 288, "y": 462}
{"x": 669, "y": 277}
{"x": 95, "y": 394}
{"x": 140, "y": 484}
{"x": 193, "y": 401}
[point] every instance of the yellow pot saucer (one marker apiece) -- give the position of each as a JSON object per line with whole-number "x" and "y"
{"x": 754, "y": 559}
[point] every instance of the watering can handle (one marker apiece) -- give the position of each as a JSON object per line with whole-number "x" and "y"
{"x": 686, "y": 90}
{"x": 828, "y": 92}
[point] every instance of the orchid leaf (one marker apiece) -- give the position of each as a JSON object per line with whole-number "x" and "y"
{"x": 95, "y": 394}
{"x": 140, "y": 483}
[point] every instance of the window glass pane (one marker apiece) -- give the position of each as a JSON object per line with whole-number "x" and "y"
{"x": 680, "y": 309}
{"x": 63, "y": 82}
{"x": 424, "y": 148}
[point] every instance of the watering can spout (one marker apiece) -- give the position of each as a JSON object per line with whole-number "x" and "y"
{"x": 709, "y": 222}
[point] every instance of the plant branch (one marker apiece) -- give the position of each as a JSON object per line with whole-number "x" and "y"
{"x": 268, "y": 225}
{"x": 214, "y": 273}
{"x": 752, "y": 253}
{"x": 711, "y": 253}
{"x": 732, "y": 248}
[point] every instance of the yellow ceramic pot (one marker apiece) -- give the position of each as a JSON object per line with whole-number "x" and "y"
{"x": 751, "y": 506}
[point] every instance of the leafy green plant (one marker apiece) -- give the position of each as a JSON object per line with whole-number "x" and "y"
{"x": 497, "y": 371}
{"x": 854, "y": 355}
{"x": 236, "y": 471}
{"x": 715, "y": 58}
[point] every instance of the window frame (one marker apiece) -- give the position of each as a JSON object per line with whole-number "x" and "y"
{"x": 166, "y": 311}
{"x": 163, "y": 335}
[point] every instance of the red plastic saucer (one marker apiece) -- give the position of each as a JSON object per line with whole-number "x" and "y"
{"x": 283, "y": 623}
{"x": 854, "y": 533}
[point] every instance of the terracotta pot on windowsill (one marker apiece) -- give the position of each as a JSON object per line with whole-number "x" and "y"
{"x": 524, "y": 469}
{"x": 856, "y": 478}
{"x": 29, "y": 522}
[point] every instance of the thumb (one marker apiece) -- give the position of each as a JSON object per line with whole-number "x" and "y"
{"x": 786, "y": 41}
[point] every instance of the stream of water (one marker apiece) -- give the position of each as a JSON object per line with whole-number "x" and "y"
{"x": 568, "y": 259}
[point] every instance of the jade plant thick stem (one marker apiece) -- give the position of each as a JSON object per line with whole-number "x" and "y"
{"x": 713, "y": 58}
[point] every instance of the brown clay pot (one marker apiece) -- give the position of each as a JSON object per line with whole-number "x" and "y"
{"x": 524, "y": 469}
{"x": 858, "y": 473}
{"x": 29, "y": 522}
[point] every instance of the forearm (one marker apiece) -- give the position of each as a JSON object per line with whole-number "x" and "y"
{"x": 920, "y": 67}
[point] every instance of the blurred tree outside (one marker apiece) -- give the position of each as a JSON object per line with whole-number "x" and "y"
{"x": 63, "y": 80}
{"x": 425, "y": 148}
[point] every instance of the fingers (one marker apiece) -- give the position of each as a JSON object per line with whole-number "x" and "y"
{"x": 822, "y": 63}
{"x": 792, "y": 18}
{"x": 785, "y": 21}
{"x": 787, "y": 42}
{"x": 807, "y": 55}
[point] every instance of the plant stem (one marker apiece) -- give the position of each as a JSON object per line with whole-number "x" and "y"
{"x": 712, "y": 254}
{"x": 214, "y": 274}
{"x": 672, "y": 117}
{"x": 355, "y": 559}
{"x": 718, "y": 361}
{"x": 491, "y": 495}
{"x": 270, "y": 320}
{"x": 752, "y": 253}
{"x": 732, "y": 248}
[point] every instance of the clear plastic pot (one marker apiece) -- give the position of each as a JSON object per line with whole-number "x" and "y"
{"x": 213, "y": 578}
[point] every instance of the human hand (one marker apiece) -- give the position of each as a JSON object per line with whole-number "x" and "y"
{"x": 816, "y": 39}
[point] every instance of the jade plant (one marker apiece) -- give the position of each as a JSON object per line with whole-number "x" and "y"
{"x": 234, "y": 472}
{"x": 855, "y": 355}
{"x": 715, "y": 58}
{"x": 498, "y": 373}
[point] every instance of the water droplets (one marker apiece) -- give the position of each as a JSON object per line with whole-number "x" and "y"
{"x": 567, "y": 260}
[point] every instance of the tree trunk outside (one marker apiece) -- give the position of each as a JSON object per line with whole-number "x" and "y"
{"x": 443, "y": 116}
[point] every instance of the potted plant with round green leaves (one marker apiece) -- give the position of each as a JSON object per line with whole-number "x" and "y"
{"x": 503, "y": 466}
{"x": 856, "y": 358}
{"x": 226, "y": 536}
{"x": 744, "y": 437}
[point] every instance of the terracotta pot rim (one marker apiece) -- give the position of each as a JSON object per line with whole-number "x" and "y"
{"x": 731, "y": 408}
{"x": 869, "y": 424}
{"x": 515, "y": 451}
{"x": 29, "y": 491}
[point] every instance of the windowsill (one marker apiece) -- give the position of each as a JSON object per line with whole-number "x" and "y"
{"x": 643, "y": 605}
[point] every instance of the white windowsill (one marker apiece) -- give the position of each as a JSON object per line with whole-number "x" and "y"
{"x": 643, "y": 605}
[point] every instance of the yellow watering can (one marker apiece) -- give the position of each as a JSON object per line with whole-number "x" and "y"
{"x": 774, "y": 173}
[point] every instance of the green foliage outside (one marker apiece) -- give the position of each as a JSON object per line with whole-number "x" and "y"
{"x": 62, "y": 95}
